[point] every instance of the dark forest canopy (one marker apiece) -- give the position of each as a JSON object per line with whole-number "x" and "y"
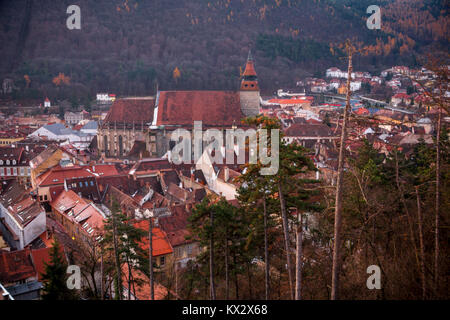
{"x": 128, "y": 46}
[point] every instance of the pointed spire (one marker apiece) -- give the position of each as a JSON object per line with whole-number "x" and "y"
{"x": 249, "y": 66}
{"x": 250, "y": 57}
{"x": 249, "y": 77}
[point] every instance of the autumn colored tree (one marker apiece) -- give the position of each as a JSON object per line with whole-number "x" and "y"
{"x": 61, "y": 79}
{"x": 176, "y": 74}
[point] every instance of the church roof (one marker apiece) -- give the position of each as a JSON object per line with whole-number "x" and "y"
{"x": 249, "y": 69}
{"x": 250, "y": 66}
{"x": 213, "y": 108}
{"x": 131, "y": 110}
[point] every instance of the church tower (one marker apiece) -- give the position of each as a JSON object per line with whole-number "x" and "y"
{"x": 249, "y": 91}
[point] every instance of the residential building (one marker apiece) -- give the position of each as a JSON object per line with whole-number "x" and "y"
{"x": 22, "y": 219}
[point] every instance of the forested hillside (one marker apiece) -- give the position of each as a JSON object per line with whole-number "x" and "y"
{"x": 127, "y": 46}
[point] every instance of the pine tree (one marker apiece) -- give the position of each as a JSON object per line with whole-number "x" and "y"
{"x": 55, "y": 277}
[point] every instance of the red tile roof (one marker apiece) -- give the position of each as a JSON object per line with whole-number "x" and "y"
{"x": 58, "y": 174}
{"x": 15, "y": 266}
{"x": 249, "y": 69}
{"x": 292, "y": 101}
{"x": 136, "y": 110}
{"x": 40, "y": 257}
{"x": 79, "y": 211}
{"x": 362, "y": 111}
{"x": 213, "y": 108}
{"x": 161, "y": 245}
{"x": 176, "y": 225}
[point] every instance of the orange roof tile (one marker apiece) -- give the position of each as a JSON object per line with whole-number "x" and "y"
{"x": 161, "y": 245}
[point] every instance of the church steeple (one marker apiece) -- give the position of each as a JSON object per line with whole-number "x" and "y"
{"x": 249, "y": 78}
{"x": 249, "y": 91}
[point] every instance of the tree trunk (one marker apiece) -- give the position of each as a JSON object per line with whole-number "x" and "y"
{"x": 249, "y": 277}
{"x": 117, "y": 260}
{"x": 176, "y": 281}
{"x": 286, "y": 239}
{"x": 298, "y": 260}
{"x": 236, "y": 282}
{"x": 422, "y": 248}
{"x": 150, "y": 258}
{"x": 227, "y": 278}
{"x": 339, "y": 185}
{"x": 129, "y": 279}
{"x": 437, "y": 219}
{"x": 266, "y": 252}
{"x": 402, "y": 198}
{"x": 211, "y": 259}
{"x": 101, "y": 276}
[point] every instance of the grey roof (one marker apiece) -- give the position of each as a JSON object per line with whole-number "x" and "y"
{"x": 424, "y": 120}
{"x": 55, "y": 128}
{"x": 28, "y": 287}
{"x": 60, "y": 129}
{"x": 91, "y": 125}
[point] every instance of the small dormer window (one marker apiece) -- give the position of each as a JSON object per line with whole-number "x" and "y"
{"x": 14, "y": 162}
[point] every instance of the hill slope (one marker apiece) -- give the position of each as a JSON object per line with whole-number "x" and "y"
{"x": 126, "y": 46}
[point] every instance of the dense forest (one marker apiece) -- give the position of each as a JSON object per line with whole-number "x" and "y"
{"x": 130, "y": 47}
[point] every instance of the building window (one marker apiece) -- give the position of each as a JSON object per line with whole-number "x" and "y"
{"x": 2, "y": 172}
{"x": 14, "y": 162}
{"x": 162, "y": 261}
{"x": 86, "y": 184}
{"x": 22, "y": 171}
{"x": 120, "y": 146}
{"x": 1, "y": 162}
{"x": 7, "y": 162}
{"x": 8, "y": 171}
{"x": 92, "y": 183}
{"x": 81, "y": 184}
{"x": 105, "y": 143}
{"x": 14, "y": 171}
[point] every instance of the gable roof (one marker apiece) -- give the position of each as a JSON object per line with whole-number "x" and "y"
{"x": 213, "y": 108}
{"x": 75, "y": 208}
{"x": 43, "y": 156}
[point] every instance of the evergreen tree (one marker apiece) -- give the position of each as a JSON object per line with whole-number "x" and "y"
{"x": 55, "y": 276}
